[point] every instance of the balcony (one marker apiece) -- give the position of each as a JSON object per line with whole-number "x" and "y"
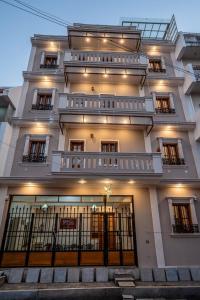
{"x": 105, "y": 104}
{"x": 113, "y": 67}
{"x": 6, "y": 106}
{"x": 192, "y": 79}
{"x": 94, "y": 163}
{"x": 188, "y": 46}
{"x": 34, "y": 158}
{"x": 183, "y": 228}
{"x": 104, "y": 37}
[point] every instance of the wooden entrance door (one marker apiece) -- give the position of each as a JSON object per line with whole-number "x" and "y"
{"x": 111, "y": 231}
{"x": 98, "y": 231}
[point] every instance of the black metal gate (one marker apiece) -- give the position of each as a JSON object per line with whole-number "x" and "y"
{"x": 69, "y": 235}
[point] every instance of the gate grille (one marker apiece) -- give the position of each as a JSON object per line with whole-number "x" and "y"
{"x": 70, "y": 235}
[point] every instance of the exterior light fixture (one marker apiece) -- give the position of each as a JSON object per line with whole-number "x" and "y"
{"x": 105, "y": 75}
{"x": 131, "y": 182}
{"x": 108, "y": 190}
{"x": 85, "y": 74}
{"x": 105, "y": 40}
{"x": 125, "y": 74}
{"x": 44, "y": 207}
{"x": 87, "y": 39}
{"x": 94, "y": 208}
{"x": 82, "y": 181}
{"x": 179, "y": 185}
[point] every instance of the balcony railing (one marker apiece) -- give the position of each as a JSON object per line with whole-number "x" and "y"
{"x": 42, "y": 106}
{"x": 165, "y": 110}
{"x": 196, "y": 72}
{"x": 185, "y": 228}
{"x": 173, "y": 161}
{"x": 105, "y": 57}
{"x": 51, "y": 66}
{"x": 100, "y": 162}
{"x": 34, "y": 158}
{"x": 114, "y": 104}
{"x": 160, "y": 70}
{"x": 192, "y": 43}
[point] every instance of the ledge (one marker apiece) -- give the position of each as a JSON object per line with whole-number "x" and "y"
{"x": 185, "y": 235}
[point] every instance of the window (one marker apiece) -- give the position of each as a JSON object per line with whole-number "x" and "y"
{"x": 76, "y": 146}
{"x": 155, "y": 65}
{"x": 163, "y": 105}
{"x": 182, "y": 219}
{"x": 50, "y": 61}
{"x": 171, "y": 155}
{"x": 109, "y": 146}
{"x": 43, "y": 102}
{"x": 36, "y": 152}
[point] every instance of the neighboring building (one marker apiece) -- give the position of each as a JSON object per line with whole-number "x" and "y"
{"x": 9, "y": 103}
{"x": 106, "y": 169}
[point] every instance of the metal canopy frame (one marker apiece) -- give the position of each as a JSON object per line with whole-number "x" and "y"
{"x": 155, "y": 29}
{"x": 148, "y": 127}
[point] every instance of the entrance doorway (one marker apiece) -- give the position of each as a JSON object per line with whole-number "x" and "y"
{"x": 89, "y": 230}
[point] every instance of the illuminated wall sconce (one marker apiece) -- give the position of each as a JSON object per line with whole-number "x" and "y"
{"x": 105, "y": 75}
{"x": 82, "y": 181}
{"x": 85, "y": 74}
{"x": 131, "y": 181}
{"x": 125, "y": 74}
{"x": 87, "y": 39}
{"x": 121, "y": 40}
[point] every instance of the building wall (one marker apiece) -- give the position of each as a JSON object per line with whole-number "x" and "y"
{"x": 186, "y": 171}
{"x": 116, "y": 89}
{"x": 21, "y": 168}
{"x": 179, "y": 249}
{"x": 131, "y": 141}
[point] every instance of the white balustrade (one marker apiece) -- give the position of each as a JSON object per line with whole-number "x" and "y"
{"x": 102, "y": 103}
{"x": 99, "y": 162}
{"x": 108, "y": 57}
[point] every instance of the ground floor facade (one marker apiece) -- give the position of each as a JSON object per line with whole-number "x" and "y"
{"x": 87, "y": 225}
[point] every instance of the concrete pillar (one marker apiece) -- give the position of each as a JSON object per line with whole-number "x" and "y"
{"x": 61, "y": 142}
{"x": 4, "y": 204}
{"x": 147, "y": 143}
{"x": 157, "y": 228}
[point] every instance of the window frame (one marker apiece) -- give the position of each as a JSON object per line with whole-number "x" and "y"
{"x": 194, "y": 227}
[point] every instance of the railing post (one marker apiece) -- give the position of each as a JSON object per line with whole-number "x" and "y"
{"x": 54, "y": 240}
{"x": 157, "y": 163}
{"x": 56, "y": 162}
{"x": 105, "y": 239}
{"x": 29, "y": 240}
{"x": 120, "y": 239}
{"x": 79, "y": 238}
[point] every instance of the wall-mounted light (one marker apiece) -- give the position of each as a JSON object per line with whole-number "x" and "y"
{"x": 85, "y": 74}
{"x": 44, "y": 207}
{"x": 131, "y": 181}
{"x": 121, "y": 40}
{"x": 82, "y": 181}
{"x": 87, "y": 38}
{"x": 125, "y": 74}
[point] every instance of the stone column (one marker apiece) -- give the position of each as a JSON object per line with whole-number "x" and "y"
{"x": 157, "y": 228}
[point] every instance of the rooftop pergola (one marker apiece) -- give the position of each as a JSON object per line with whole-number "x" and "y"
{"x": 156, "y": 29}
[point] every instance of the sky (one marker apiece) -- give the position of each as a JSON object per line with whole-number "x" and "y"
{"x": 16, "y": 27}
